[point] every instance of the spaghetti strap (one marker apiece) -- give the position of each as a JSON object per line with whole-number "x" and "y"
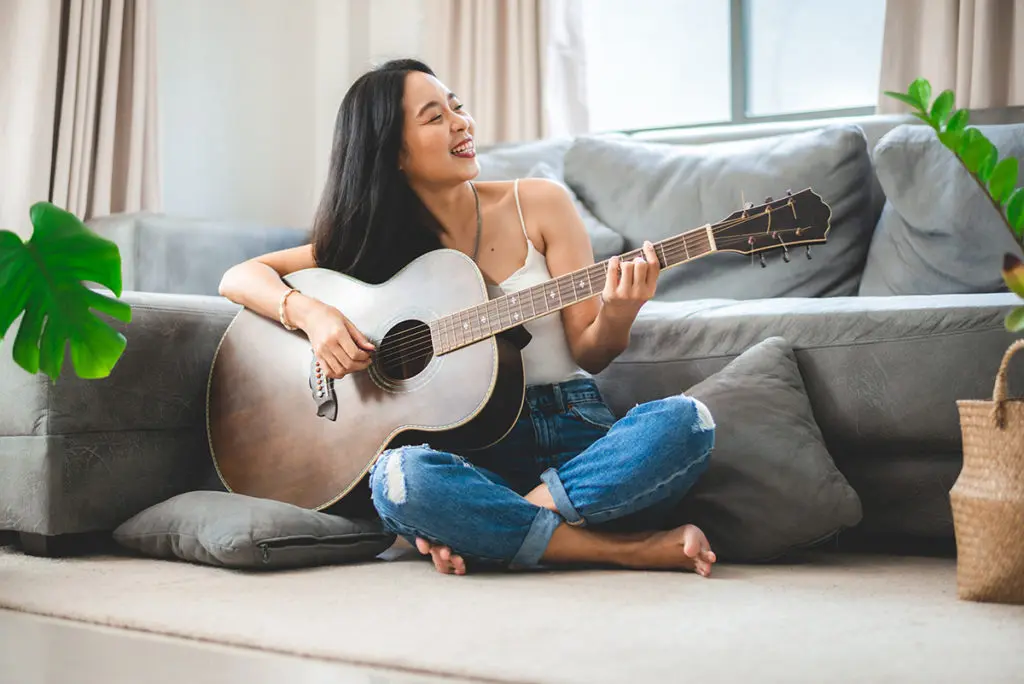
{"x": 519, "y": 208}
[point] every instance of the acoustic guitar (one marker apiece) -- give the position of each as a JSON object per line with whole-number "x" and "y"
{"x": 447, "y": 367}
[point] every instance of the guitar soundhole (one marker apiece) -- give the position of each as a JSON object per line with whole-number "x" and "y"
{"x": 405, "y": 350}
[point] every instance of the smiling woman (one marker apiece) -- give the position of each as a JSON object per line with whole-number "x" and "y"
{"x": 401, "y": 184}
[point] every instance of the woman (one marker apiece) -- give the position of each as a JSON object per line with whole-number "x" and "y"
{"x": 569, "y": 483}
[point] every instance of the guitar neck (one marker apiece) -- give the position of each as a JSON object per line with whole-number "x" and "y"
{"x": 477, "y": 323}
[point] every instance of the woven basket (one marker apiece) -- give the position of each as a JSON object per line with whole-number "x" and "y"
{"x": 988, "y": 496}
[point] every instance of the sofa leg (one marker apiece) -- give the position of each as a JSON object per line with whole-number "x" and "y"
{"x": 52, "y": 546}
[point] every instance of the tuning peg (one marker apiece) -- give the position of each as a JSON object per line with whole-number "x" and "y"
{"x": 789, "y": 192}
{"x": 768, "y": 199}
{"x": 763, "y": 262}
{"x": 808, "y": 248}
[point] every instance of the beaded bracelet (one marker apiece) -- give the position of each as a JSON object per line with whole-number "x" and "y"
{"x": 280, "y": 310}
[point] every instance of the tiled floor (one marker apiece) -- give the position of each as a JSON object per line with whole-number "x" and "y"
{"x": 39, "y": 650}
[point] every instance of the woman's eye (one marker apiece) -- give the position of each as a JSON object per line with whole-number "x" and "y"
{"x": 436, "y": 118}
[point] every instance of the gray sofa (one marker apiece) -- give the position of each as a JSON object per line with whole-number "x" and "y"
{"x": 883, "y": 366}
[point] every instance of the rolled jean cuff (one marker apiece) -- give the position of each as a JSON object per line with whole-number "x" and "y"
{"x": 561, "y": 499}
{"x": 537, "y": 540}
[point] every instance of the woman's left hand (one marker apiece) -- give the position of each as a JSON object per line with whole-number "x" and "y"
{"x": 630, "y": 283}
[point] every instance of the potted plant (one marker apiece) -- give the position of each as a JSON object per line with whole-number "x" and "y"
{"x": 44, "y": 278}
{"x": 988, "y": 497}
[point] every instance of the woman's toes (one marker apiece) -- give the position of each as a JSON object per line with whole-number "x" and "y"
{"x": 691, "y": 547}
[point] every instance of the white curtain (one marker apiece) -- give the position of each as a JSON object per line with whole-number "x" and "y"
{"x": 29, "y": 46}
{"x": 107, "y": 138}
{"x": 974, "y": 47}
{"x": 518, "y": 64}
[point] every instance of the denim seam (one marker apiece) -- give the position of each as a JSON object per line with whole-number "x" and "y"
{"x": 561, "y": 497}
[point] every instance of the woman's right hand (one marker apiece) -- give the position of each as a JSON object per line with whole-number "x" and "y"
{"x": 337, "y": 343}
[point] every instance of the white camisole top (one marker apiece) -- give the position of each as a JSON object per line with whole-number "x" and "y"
{"x": 546, "y": 359}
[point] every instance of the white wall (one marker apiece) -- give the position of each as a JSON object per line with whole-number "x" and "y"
{"x": 249, "y": 91}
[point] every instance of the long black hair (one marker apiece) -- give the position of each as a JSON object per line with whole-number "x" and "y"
{"x": 370, "y": 223}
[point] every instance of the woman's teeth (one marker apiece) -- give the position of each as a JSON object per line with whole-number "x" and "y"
{"x": 466, "y": 149}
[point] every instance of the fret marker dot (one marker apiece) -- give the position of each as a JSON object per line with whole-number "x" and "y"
{"x": 483, "y": 319}
{"x": 513, "y": 300}
{"x": 552, "y": 295}
{"x": 582, "y": 284}
{"x": 465, "y": 326}
{"x": 515, "y": 316}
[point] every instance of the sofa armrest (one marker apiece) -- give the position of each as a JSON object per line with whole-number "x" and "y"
{"x": 161, "y": 253}
{"x": 85, "y": 455}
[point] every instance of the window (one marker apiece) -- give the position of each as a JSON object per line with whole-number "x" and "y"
{"x": 672, "y": 63}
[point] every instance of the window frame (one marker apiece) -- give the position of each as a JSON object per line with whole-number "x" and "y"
{"x": 738, "y": 16}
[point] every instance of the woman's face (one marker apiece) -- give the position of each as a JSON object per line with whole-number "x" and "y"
{"x": 438, "y": 134}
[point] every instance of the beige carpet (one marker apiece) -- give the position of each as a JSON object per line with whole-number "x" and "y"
{"x": 833, "y": 618}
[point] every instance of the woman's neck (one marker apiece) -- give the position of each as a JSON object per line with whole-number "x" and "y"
{"x": 455, "y": 209}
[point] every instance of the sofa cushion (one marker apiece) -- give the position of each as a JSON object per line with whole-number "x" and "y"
{"x": 605, "y": 242}
{"x": 771, "y": 485}
{"x": 237, "y": 531}
{"x": 938, "y": 233}
{"x": 883, "y": 375}
{"x": 657, "y": 190}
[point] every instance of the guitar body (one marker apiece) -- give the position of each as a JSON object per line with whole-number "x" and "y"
{"x": 268, "y": 438}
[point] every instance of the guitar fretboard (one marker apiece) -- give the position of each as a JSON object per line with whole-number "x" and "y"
{"x": 477, "y": 323}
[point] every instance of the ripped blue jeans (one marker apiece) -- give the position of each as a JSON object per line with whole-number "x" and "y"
{"x": 601, "y": 472}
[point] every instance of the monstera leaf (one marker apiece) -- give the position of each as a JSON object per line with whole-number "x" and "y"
{"x": 45, "y": 278}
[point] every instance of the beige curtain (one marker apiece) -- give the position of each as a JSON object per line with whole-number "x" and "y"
{"x": 507, "y": 60}
{"x": 106, "y": 138}
{"x": 29, "y": 45}
{"x": 974, "y": 47}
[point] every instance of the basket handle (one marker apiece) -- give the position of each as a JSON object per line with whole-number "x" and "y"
{"x": 999, "y": 391}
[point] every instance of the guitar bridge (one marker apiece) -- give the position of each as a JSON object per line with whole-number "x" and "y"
{"x": 322, "y": 389}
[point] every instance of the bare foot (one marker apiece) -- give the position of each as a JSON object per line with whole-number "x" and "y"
{"x": 683, "y": 548}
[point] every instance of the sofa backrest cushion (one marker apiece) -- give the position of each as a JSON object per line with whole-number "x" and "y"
{"x": 656, "y": 190}
{"x": 939, "y": 232}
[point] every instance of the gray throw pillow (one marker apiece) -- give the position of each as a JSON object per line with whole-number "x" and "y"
{"x": 771, "y": 485}
{"x": 938, "y": 233}
{"x": 652, "y": 191}
{"x": 238, "y": 531}
{"x": 605, "y": 242}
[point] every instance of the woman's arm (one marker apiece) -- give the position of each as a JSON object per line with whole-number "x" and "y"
{"x": 256, "y": 284}
{"x": 597, "y": 329}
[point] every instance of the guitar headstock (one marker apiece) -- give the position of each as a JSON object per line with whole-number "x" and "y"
{"x": 796, "y": 219}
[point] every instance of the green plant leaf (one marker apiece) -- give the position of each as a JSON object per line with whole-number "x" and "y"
{"x": 974, "y": 149}
{"x": 1015, "y": 320}
{"x": 906, "y": 99}
{"x": 941, "y": 108}
{"x": 988, "y": 166}
{"x": 951, "y": 139}
{"x": 1013, "y": 274}
{"x": 924, "y": 117}
{"x": 1003, "y": 179}
{"x": 1015, "y": 211}
{"x": 958, "y": 121}
{"x": 921, "y": 90}
{"x": 47, "y": 276}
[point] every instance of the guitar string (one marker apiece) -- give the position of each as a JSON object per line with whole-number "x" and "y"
{"x": 424, "y": 339}
{"x": 681, "y": 242}
{"x": 686, "y": 240}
